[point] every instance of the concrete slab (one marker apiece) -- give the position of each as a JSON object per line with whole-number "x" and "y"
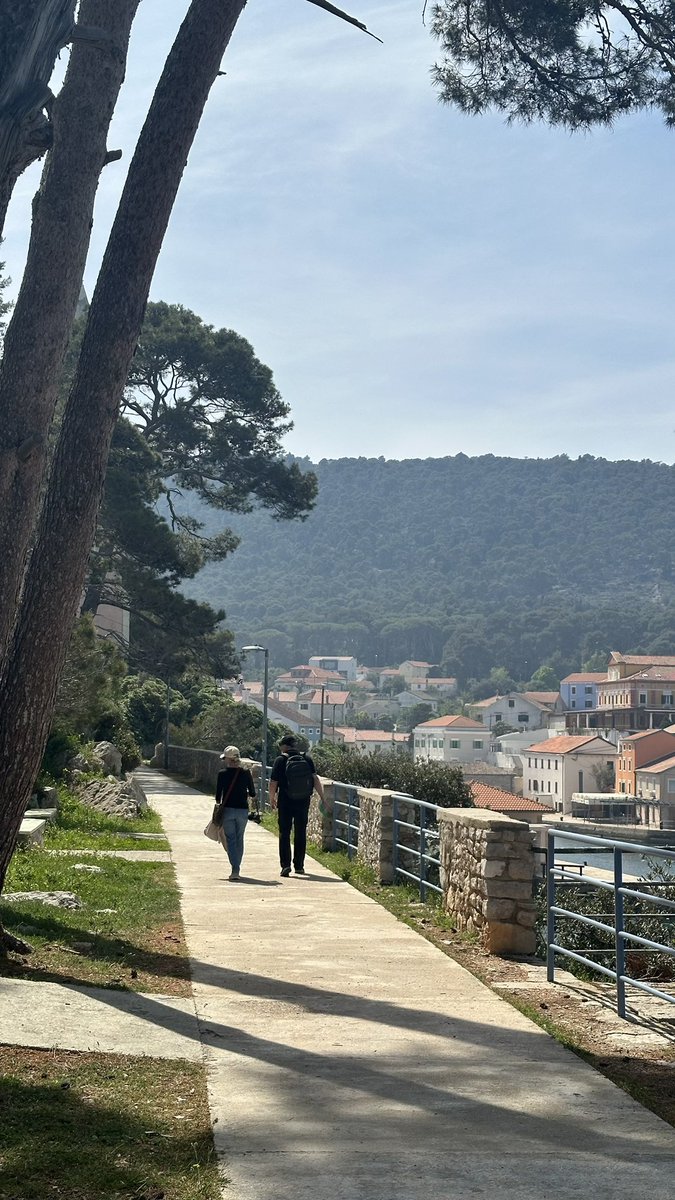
{"x": 31, "y": 831}
{"x": 67, "y": 1017}
{"x": 350, "y": 1058}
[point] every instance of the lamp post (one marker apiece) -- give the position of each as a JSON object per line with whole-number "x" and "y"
{"x": 263, "y": 763}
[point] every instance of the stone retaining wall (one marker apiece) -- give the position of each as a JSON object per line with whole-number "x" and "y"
{"x": 487, "y": 872}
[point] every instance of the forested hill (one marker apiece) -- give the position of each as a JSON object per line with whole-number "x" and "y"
{"x": 475, "y": 562}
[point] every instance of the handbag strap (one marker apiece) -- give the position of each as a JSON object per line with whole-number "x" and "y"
{"x": 225, "y": 799}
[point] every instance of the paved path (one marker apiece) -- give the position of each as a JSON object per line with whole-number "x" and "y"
{"x": 349, "y": 1058}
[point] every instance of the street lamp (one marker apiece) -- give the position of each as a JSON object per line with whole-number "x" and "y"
{"x": 263, "y": 763}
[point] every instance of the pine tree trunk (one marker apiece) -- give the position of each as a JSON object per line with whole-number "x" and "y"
{"x": 56, "y": 571}
{"x": 37, "y": 335}
{"x": 31, "y": 34}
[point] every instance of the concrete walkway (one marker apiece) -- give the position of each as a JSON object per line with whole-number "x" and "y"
{"x": 349, "y": 1058}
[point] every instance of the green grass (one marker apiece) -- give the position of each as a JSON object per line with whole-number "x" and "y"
{"x": 128, "y": 932}
{"x": 80, "y": 827}
{"x": 103, "y": 1127}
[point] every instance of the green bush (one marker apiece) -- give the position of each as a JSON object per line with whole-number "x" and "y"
{"x": 432, "y": 782}
{"x": 640, "y": 917}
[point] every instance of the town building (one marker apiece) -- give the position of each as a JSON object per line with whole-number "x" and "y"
{"x": 373, "y": 741}
{"x": 640, "y": 699}
{"x": 555, "y": 768}
{"x": 344, "y": 665}
{"x": 450, "y": 740}
{"x": 655, "y": 792}
{"x": 521, "y": 710}
{"x": 579, "y": 694}
{"x": 637, "y": 750}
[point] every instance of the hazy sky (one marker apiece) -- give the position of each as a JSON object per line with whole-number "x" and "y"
{"x": 420, "y": 282}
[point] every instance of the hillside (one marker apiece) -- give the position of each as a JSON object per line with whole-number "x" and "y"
{"x": 476, "y": 562}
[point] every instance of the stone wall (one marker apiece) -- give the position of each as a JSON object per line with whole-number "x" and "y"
{"x": 198, "y": 767}
{"x": 487, "y": 872}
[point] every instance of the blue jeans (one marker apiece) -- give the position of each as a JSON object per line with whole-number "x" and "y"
{"x": 233, "y": 828}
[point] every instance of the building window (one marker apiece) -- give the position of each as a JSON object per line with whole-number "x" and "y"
{"x": 549, "y": 785}
{"x": 588, "y": 691}
{"x": 588, "y": 704}
{"x": 478, "y": 745}
{"x": 498, "y": 716}
{"x": 573, "y": 690}
{"x": 529, "y": 762}
{"x": 574, "y": 704}
{"x": 556, "y": 787}
{"x": 667, "y": 698}
{"x": 512, "y": 704}
{"x": 642, "y": 698}
{"x": 523, "y": 718}
{"x": 454, "y": 744}
{"x": 548, "y": 764}
{"x": 670, "y": 786}
{"x": 535, "y": 785}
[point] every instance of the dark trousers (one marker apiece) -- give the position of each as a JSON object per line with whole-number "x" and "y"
{"x": 293, "y": 815}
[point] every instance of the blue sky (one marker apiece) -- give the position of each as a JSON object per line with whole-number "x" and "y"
{"x": 421, "y": 283}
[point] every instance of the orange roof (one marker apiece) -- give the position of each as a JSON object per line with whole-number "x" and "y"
{"x": 328, "y": 697}
{"x": 561, "y": 745}
{"x": 544, "y": 698}
{"x": 665, "y": 764}
{"x": 500, "y": 801}
{"x": 452, "y": 723}
{"x": 586, "y": 677}
{"x": 652, "y": 660}
{"x": 370, "y": 735}
{"x": 646, "y": 733}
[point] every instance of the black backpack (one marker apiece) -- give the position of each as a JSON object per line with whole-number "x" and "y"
{"x": 299, "y": 777}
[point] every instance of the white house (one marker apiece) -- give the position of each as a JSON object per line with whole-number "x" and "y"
{"x": 555, "y": 768}
{"x": 334, "y": 706}
{"x": 522, "y": 710}
{"x": 415, "y": 673}
{"x": 344, "y": 665}
{"x": 371, "y": 741}
{"x": 450, "y": 740}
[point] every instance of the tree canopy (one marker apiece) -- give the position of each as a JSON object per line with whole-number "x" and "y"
{"x": 211, "y": 410}
{"x": 570, "y": 63}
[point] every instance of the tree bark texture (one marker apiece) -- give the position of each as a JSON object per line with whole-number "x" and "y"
{"x": 37, "y": 335}
{"x": 57, "y": 567}
{"x": 31, "y": 34}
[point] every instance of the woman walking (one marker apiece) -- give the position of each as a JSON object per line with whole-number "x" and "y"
{"x": 233, "y": 788}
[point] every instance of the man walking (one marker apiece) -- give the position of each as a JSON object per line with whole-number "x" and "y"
{"x": 292, "y": 782}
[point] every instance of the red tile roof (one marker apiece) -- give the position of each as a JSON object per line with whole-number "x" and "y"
{"x": 653, "y": 660}
{"x": 500, "y": 801}
{"x": 666, "y": 764}
{"x": 543, "y": 698}
{"x": 586, "y": 677}
{"x": 562, "y": 745}
{"x": 452, "y": 723}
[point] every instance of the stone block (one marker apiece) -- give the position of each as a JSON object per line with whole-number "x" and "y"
{"x": 41, "y": 814}
{"x": 498, "y": 909}
{"x": 31, "y": 832}
{"x": 521, "y": 868}
{"x": 493, "y": 867}
{"x": 526, "y": 917}
{"x": 509, "y": 889}
{"x": 508, "y": 938}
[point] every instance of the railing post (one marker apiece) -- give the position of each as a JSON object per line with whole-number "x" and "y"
{"x": 423, "y": 890}
{"x": 394, "y": 835}
{"x": 350, "y": 809}
{"x": 550, "y": 904}
{"x": 618, "y": 934}
{"x": 336, "y": 805}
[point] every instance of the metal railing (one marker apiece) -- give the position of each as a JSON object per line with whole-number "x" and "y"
{"x": 346, "y": 818}
{"x": 426, "y": 837}
{"x": 623, "y": 938}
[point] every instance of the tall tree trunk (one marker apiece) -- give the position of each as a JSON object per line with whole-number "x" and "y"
{"x": 37, "y": 335}
{"x": 58, "y": 563}
{"x": 31, "y": 34}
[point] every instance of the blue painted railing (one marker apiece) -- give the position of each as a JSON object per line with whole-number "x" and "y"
{"x": 425, "y": 837}
{"x": 621, "y": 889}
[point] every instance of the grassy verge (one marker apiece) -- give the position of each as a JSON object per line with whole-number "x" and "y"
{"x": 79, "y": 827}
{"x": 91, "y": 1126}
{"x": 128, "y": 931}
